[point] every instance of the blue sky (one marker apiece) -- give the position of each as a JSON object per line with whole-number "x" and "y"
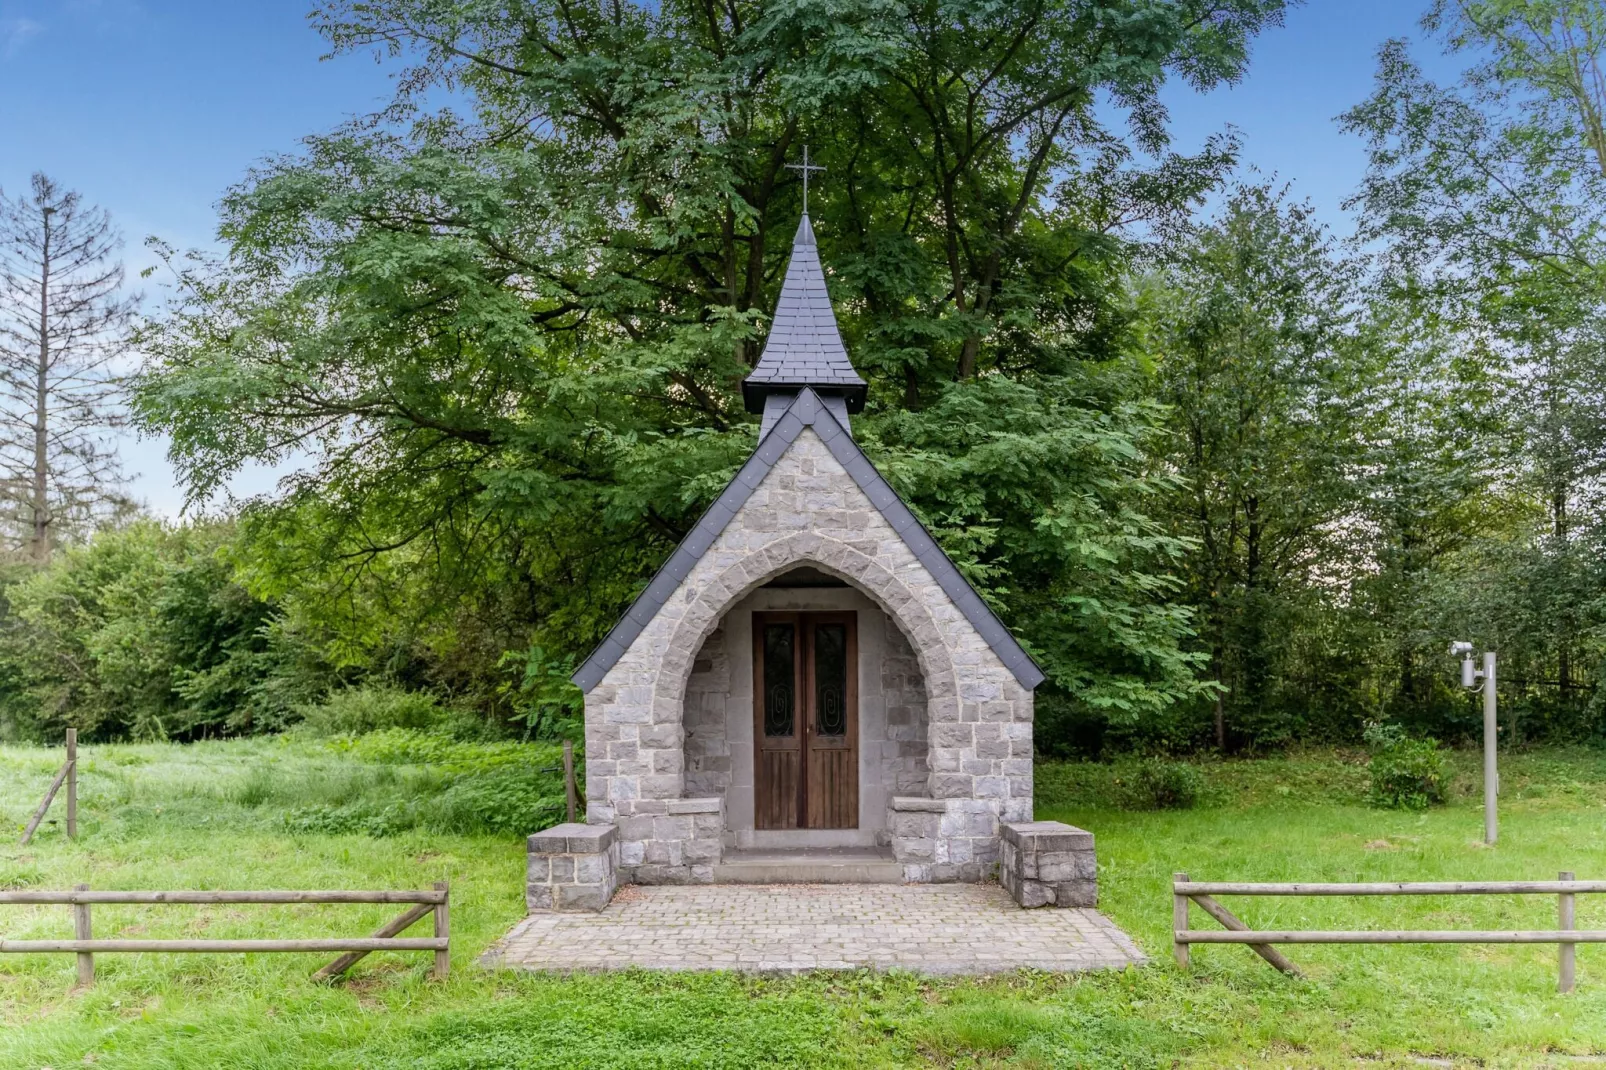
{"x": 152, "y": 108}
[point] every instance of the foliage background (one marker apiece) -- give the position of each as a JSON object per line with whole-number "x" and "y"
{"x": 1235, "y": 484}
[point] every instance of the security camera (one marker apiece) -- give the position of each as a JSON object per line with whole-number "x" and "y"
{"x": 1462, "y": 650}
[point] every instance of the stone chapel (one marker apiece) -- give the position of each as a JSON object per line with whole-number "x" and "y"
{"x": 808, "y": 689}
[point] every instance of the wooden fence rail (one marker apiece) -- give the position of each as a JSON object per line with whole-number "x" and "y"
{"x": 431, "y": 902}
{"x": 1566, "y": 935}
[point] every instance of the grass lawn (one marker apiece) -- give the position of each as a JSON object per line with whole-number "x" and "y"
{"x": 234, "y": 815}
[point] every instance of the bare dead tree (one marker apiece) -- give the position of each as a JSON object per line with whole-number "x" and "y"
{"x": 64, "y": 330}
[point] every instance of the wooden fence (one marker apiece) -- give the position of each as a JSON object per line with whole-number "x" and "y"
{"x": 432, "y": 902}
{"x": 69, "y": 774}
{"x": 1566, "y": 934}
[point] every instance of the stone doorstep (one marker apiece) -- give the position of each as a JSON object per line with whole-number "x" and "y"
{"x": 820, "y": 865}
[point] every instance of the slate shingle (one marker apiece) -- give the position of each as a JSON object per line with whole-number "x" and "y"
{"x": 804, "y": 347}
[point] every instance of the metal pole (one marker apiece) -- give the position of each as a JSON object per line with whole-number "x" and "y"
{"x": 1491, "y": 771}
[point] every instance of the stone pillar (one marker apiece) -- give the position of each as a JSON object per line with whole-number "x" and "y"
{"x": 1049, "y": 863}
{"x": 572, "y": 867}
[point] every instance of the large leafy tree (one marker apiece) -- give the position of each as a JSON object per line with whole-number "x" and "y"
{"x": 1258, "y": 359}
{"x": 1491, "y": 196}
{"x": 505, "y": 333}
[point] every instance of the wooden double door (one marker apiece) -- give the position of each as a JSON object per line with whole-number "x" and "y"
{"x": 806, "y": 720}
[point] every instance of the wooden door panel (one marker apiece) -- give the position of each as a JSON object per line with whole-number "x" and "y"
{"x": 833, "y": 791}
{"x": 777, "y": 721}
{"x": 831, "y": 713}
{"x": 805, "y": 720}
{"x": 776, "y": 800}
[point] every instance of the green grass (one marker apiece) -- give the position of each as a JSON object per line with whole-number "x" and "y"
{"x": 224, "y": 815}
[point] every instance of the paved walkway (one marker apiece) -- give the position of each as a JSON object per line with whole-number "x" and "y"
{"x": 789, "y": 928}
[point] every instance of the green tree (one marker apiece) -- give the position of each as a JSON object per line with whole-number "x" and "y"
{"x": 143, "y": 632}
{"x": 508, "y": 340}
{"x": 1257, "y": 358}
{"x": 1491, "y": 197}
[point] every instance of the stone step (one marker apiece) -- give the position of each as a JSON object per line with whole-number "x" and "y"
{"x": 817, "y": 865}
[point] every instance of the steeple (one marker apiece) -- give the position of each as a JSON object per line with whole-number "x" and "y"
{"x": 804, "y": 348}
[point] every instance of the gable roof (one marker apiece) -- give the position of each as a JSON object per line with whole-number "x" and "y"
{"x": 807, "y": 410}
{"x": 804, "y": 347}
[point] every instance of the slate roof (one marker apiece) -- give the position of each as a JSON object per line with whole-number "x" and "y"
{"x": 807, "y": 410}
{"x": 804, "y": 347}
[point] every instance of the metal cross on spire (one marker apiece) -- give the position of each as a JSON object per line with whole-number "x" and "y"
{"x": 805, "y": 167}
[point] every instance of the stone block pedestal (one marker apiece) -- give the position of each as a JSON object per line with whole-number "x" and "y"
{"x": 572, "y": 867}
{"x": 1049, "y": 863}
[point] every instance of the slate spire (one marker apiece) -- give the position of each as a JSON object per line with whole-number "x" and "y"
{"x": 804, "y": 348}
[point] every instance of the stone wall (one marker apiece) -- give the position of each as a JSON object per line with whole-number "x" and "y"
{"x": 904, "y": 692}
{"x": 709, "y": 760}
{"x": 939, "y": 841}
{"x": 671, "y": 841}
{"x": 807, "y": 509}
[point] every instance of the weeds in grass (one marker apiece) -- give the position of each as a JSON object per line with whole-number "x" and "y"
{"x": 990, "y": 1028}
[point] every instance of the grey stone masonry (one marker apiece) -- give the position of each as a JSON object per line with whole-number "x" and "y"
{"x": 671, "y": 841}
{"x": 572, "y": 867}
{"x": 1049, "y": 863}
{"x": 943, "y": 840}
{"x": 808, "y": 510}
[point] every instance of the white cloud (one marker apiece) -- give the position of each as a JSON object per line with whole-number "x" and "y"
{"x": 15, "y": 32}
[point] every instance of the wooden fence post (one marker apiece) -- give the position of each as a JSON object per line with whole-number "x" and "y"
{"x": 443, "y": 957}
{"x": 1179, "y": 921}
{"x": 1565, "y": 921}
{"x": 72, "y": 789}
{"x": 568, "y": 775}
{"x": 82, "y": 931}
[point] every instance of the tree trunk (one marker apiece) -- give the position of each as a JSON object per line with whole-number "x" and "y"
{"x": 41, "y": 437}
{"x": 967, "y": 357}
{"x": 1221, "y": 715}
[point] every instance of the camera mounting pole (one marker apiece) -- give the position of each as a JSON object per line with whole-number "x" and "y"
{"x": 1470, "y": 679}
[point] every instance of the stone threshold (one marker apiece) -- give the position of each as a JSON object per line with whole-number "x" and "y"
{"x": 808, "y": 865}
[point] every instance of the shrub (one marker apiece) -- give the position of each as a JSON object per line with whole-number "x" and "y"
{"x": 1407, "y": 774}
{"x": 357, "y": 710}
{"x": 1158, "y": 784}
{"x": 506, "y": 802}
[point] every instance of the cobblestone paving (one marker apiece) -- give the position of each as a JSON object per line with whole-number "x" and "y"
{"x": 788, "y": 928}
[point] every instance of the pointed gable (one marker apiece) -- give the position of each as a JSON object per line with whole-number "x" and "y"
{"x": 809, "y": 411}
